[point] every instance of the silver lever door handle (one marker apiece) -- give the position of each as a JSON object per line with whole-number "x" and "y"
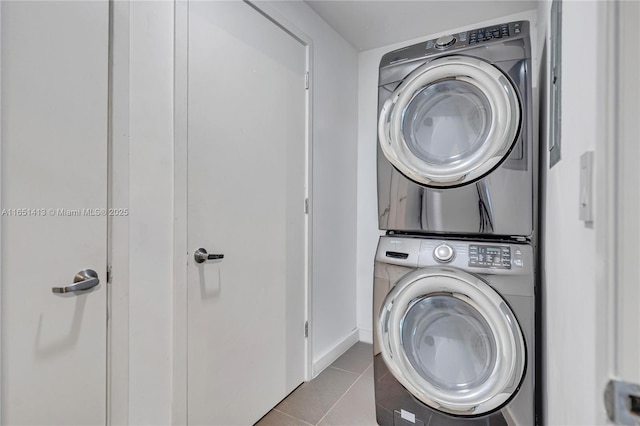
{"x": 201, "y": 255}
{"x": 84, "y": 280}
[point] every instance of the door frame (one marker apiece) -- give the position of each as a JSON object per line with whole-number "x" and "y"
{"x": 606, "y": 202}
{"x": 118, "y": 230}
{"x": 617, "y": 208}
{"x": 1, "y": 207}
{"x": 180, "y": 189}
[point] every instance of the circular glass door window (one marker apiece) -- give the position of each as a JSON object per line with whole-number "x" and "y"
{"x": 449, "y": 343}
{"x": 450, "y": 122}
{"x": 446, "y": 122}
{"x": 452, "y": 341}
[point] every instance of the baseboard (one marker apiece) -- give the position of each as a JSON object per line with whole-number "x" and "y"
{"x": 365, "y": 335}
{"x": 323, "y": 361}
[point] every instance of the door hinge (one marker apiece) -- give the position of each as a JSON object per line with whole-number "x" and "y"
{"x": 306, "y": 329}
{"x": 109, "y": 275}
{"x": 622, "y": 402}
{"x": 306, "y": 80}
{"x": 306, "y": 205}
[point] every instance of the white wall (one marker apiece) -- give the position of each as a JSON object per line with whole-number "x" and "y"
{"x": 571, "y": 394}
{"x": 367, "y": 227}
{"x": 335, "y": 114}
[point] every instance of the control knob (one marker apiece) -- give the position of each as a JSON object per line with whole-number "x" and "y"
{"x": 444, "y": 253}
{"x": 445, "y": 41}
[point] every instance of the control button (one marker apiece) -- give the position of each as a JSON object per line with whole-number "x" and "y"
{"x": 445, "y": 41}
{"x": 443, "y": 253}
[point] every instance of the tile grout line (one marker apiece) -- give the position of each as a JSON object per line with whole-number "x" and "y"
{"x": 293, "y": 417}
{"x": 345, "y": 392}
{"x": 346, "y": 371}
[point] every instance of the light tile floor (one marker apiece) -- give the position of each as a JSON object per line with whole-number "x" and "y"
{"x": 341, "y": 395}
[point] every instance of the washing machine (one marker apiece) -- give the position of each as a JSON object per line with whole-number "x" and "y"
{"x": 454, "y": 332}
{"x": 456, "y": 152}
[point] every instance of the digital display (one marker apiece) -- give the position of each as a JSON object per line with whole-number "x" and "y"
{"x": 490, "y": 256}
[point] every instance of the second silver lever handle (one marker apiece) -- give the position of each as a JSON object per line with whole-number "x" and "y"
{"x": 84, "y": 280}
{"x": 201, "y": 256}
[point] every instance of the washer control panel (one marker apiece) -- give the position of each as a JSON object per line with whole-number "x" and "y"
{"x": 481, "y": 257}
{"x": 490, "y": 256}
{"x": 444, "y": 253}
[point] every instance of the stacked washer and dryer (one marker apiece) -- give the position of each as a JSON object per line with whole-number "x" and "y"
{"x": 454, "y": 280}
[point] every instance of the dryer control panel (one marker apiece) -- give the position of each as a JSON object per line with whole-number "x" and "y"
{"x": 480, "y": 35}
{"x": 494, "y": 32}
{"x": 452, "y": 43}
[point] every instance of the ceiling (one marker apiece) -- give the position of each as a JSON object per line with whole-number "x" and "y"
{"x": 368, "y": 24}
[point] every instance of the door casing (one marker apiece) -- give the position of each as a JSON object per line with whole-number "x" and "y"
{"x": 617, "y": 208}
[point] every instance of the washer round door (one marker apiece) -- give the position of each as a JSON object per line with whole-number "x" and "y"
{"x": 451, "y": 122}
{"x": 452, "y": 341}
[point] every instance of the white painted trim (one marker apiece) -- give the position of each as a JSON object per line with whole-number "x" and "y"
{"x": 334, "y": 353}
{"x": 605, "y": 191}
{"x": 617, "y": 205}
{"x": 365, "y": 335}
{"x": 118, "y": 297}
{"x": 180, "y": 191}
{"x": 628, "y": 204}
{"x": 309, "y": 236}
{"x": 180, "y": 240}
{"x": 110, "y": 176}
{"x": 1, "y": 218}
{"x": 616, "y": 192}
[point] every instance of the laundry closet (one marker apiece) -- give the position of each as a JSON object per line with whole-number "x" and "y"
{"x": 200, "y": 195}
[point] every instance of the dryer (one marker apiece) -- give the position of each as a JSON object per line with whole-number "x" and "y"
{"x": 455, "y": 143}
{"x": 454, "y": 332}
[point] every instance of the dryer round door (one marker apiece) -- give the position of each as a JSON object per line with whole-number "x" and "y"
{"x": 452, "y": 341}
{"x": 451, "y": 122}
